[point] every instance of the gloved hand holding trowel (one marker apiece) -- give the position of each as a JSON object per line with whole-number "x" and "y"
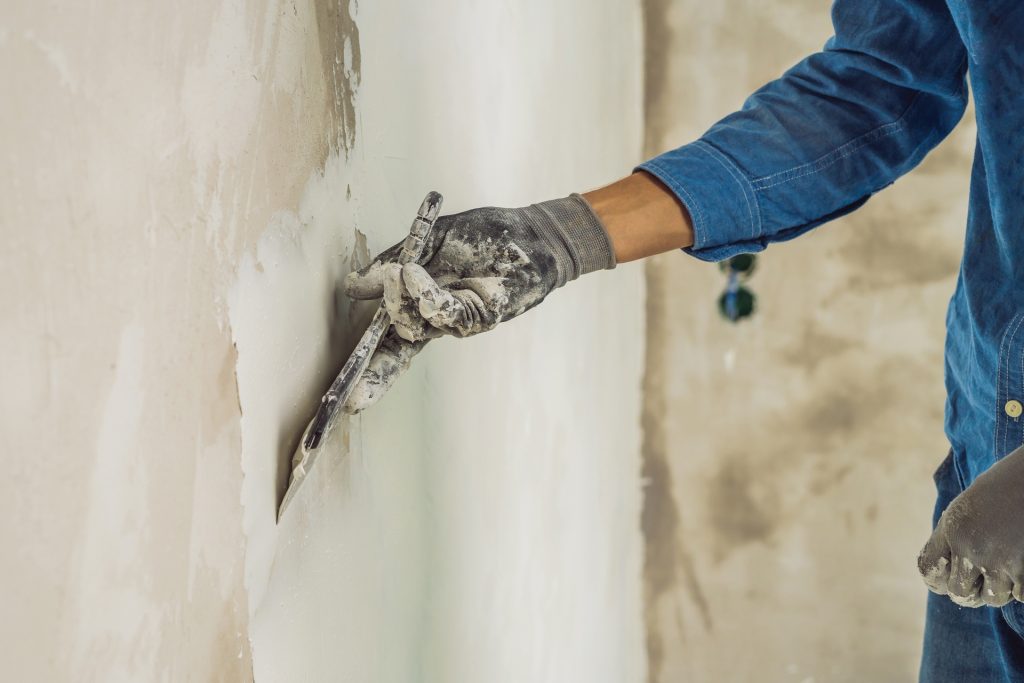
{"x": 463, "y": 274}
{"x": 479, "y": 268}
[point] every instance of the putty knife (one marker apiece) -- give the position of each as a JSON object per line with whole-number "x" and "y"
{"x": 341, "y": 388}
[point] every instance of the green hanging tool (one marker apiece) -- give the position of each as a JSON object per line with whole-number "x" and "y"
{"x": 737, "y": 302}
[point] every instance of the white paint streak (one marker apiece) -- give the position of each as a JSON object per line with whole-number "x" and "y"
{"x": 55, "y": 56}
{"x": 110, "y": 561}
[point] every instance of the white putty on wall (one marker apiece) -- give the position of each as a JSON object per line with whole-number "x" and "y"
{"x": 336, "y": 587}
{"x": 185, "y": 190}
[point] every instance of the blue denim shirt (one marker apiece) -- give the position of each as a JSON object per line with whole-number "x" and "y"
{"x": 848, "y": 121}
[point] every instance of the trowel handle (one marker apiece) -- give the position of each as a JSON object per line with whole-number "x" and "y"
{"x": 412, "y": 247}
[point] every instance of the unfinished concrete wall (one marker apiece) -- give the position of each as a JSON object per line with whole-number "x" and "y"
{"x": 185, "y": 186}
{"x": 789, "y": 457}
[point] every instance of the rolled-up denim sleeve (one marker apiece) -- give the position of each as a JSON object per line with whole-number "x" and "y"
{"x": 836, "y": 128}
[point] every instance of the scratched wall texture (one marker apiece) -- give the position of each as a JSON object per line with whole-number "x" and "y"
{"x": 184, "y": 183}
{"x": 789, "y": 458}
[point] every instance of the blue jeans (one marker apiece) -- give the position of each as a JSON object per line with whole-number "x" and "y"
{"x": 963, "y": 644}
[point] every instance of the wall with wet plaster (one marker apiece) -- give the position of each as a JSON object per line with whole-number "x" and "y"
{"x": 791, "y": 456}
{"x": 186, "y": 189}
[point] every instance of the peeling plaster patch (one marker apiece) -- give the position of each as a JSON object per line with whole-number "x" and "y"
{"x": 361, "y": 252}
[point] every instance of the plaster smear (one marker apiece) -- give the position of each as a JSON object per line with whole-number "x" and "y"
{"x": 118, "y": 518}
{"x": 319, "y": 584}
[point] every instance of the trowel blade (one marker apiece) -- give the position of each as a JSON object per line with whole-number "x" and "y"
{"x": 302, "y": 463}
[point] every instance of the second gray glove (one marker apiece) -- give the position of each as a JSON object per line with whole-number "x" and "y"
{"x": 480, "y": 268}
{"x": 976, "y": 553}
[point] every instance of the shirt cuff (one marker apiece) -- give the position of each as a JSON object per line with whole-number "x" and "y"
{"x": 720, "y": 199}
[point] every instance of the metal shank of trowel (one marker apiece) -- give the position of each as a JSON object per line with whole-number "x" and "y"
{"x": 355, "y": 366}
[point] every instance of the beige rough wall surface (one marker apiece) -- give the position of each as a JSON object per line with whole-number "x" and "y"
{"x": 184, "y": 186}
{"x": 788, "y": 458}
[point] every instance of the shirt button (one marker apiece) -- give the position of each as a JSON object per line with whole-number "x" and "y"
{"x": 1013, "y": 408}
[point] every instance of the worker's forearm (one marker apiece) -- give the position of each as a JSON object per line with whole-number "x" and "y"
{"x": 642, "y": 217}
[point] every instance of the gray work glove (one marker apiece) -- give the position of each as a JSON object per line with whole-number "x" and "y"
{"x": 976, "y": 553}
{"x": 480, "y": 268}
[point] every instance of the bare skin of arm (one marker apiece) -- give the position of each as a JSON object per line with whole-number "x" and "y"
{"x": 642, "y": 217}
